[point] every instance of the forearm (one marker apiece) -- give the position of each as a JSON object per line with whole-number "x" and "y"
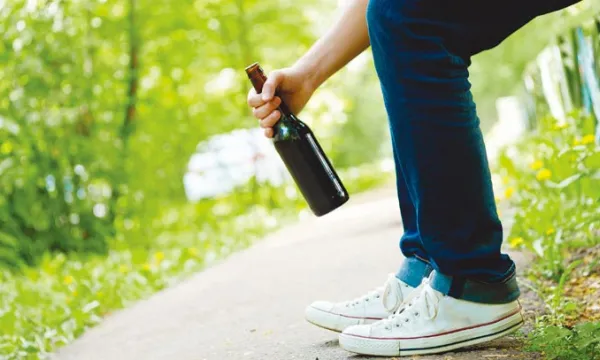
{"x": 345, "y": 40}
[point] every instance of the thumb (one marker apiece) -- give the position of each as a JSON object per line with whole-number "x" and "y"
{"x": 273, "y": 80}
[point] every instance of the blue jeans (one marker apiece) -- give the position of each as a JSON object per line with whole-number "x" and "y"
{"x": 422, "y": 51}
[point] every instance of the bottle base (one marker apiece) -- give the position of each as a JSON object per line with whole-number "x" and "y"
{"x": 337, "y": 205}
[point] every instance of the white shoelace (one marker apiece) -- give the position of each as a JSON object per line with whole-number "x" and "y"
{"x": 423, "y": 302}
{"x": 390, "y": 294}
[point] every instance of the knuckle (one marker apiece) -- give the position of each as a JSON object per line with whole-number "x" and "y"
{"x": 275, "y": 76}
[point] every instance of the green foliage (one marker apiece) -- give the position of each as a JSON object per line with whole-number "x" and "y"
{"x": 555, "y": 178}
{"x": 559, "y": 343}
{"x": 103, "y": 103}
{"x": 51, "y": 122}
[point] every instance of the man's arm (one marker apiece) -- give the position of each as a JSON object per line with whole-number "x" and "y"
{"x": 345, "y": 40}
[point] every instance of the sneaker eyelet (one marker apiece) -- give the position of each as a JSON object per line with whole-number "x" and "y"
{"x": 416, "y": 314}
{"x": 397, "y": 325}
{"x": 406, "y": 320}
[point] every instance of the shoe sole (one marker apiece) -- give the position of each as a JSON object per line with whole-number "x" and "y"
{"x": 334, "y": 322}
{"x": 433, "y": 344}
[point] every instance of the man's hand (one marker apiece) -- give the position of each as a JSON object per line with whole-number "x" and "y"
{"x": 294, "y": 87}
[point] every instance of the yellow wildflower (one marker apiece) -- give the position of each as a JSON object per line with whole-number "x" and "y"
{"x": 576, "y": 142}
{"x": 505, "y": 180}
{"x": 588, "y": 139}
{"x": 543, "y": 174}
{"x": 536, "y": 165}
{"x": 550, "y": 231}
{"x": 6, "y": 148}
{"x": 516, "y": 242}
{"x": 68, "y": 280}
{"x": 146, "y": 267}
{"x": 100, "y": 295}
{"x": 509, "y": 192}
{"x": 74, "y": 293}
{"x": 123, "y": 269}
{"x": 159, "y": 256}
{"x": 192, "y": 251}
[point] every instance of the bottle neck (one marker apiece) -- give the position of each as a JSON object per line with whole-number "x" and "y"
{"x": 285, "y": 110}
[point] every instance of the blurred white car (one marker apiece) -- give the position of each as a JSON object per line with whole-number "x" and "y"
{"x": 226, "y": 161}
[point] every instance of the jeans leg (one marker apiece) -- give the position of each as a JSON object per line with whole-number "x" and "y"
{"x": 410, "y": 242}
{"x": 439, "y": 144}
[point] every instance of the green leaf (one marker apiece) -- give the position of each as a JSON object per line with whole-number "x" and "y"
{"x": 566, "y": 182}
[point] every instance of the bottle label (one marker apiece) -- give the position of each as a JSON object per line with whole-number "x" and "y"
{"x": 325, "y": 164}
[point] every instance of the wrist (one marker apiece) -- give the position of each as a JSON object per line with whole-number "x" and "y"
{"x": 310, "y": 71}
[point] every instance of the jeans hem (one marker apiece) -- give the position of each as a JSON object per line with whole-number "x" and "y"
{"x": 475, "y": 291}
{"x": 413, "y": 271}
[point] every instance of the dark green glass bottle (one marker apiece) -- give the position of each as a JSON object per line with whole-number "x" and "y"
{"x": 303, "y": 156}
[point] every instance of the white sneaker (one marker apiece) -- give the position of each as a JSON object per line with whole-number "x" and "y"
{"x": 429, "y": 323}
{"x": 374, "y": 306}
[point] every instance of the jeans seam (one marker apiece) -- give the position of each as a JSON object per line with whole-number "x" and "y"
{"x": 423, "y": 260}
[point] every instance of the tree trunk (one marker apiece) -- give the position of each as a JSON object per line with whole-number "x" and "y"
{"x": 127, "y": 126}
